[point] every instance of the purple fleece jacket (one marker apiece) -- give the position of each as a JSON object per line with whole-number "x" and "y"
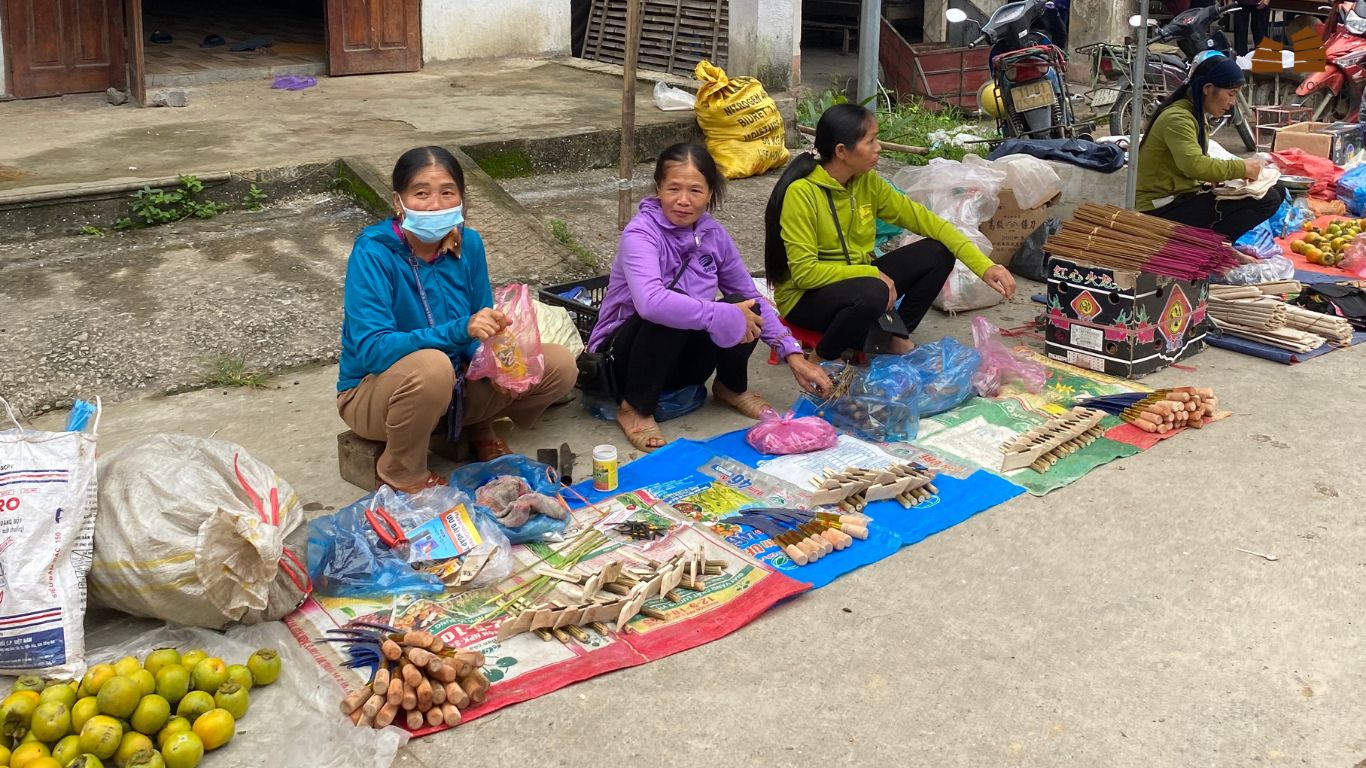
{"x": 652, "y": 251}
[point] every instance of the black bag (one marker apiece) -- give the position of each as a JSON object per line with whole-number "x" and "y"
{"x": 1338, "y": 299}
{"x": 597, "y": 378}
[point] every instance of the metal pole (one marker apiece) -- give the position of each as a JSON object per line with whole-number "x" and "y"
{"x": 1136, "y": 105}
{"x": 628, "y": 113}
{"x": 869, "y": 35}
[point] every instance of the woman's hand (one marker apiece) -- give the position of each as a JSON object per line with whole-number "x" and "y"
{"x": 1252, "y": 168}
{"x": 1000, "y": 280}
{"x": 891, "y": 290}
{"x": 810, "y": 377}
{"x": 486, "y": 323}
{"x": 754, "y": 323}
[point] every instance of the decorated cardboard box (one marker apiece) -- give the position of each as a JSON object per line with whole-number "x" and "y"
{"x": 1122, "y": 322}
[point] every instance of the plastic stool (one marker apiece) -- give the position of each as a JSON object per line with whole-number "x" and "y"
{"x": 808, "y": 339}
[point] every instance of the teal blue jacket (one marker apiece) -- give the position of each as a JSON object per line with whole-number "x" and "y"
{"x": 384, "y": 320}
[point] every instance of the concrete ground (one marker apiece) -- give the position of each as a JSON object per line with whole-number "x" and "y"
{"x": 1109, "y": 623}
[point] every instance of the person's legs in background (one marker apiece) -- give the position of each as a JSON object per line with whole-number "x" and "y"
{"x": 919, "y": 271}
{"x": 400, "y": 408}
{"x": 843, "y": 312}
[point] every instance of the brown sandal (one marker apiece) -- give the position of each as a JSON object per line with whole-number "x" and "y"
{"x": 749, "y": 405}
{"x": 488, "y": 450}
{"x": 432, "y": 479}
{"x": 640, "y": 437}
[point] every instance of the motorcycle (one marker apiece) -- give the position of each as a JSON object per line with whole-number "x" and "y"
{"x": 1335, "y": 93}
{"x": 1026, "y": 68}
{"x": 1193, "y": 32}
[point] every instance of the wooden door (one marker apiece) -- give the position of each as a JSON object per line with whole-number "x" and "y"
{"x": 367, "y": 36}
{"x": 64, "y": 46}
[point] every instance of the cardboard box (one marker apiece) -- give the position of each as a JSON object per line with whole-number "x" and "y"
{"x": 1012, "y": 225}
{"x": 1121, "y": 322}
{"x": 1335, "y": 141}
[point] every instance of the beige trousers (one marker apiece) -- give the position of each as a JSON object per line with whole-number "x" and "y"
{"x": 402, "y": 406}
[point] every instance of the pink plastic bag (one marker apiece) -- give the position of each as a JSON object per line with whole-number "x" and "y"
{"x": 512, "y": 359}
{"x": 999, "y": 365}
{"x": 1355, "y": 263}
{"x": 786, "y": 434}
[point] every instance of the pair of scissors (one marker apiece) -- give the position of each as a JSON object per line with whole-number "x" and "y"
{"x": 388, "y": 530}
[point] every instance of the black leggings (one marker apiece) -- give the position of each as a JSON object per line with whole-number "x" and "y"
{"x": 847, "y": 310}
{"x": 649, "y": 359}
{"x": 1230, "y": 218}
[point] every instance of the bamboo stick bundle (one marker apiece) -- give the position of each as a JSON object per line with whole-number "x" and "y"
{"x": 1331, "y": 327}
{"x": 1159, "y": 411}
{"x": 1262, "y": 313}
{"x": 1232, "y": 292}
{"x": 1115, "y": 237}
{"x": 1284, "y": 338}
{"x": 1279, "y": 287}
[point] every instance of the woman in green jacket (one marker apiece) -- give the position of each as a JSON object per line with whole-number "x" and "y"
{"x": 819, "y": 229}
{"x": 1176, "y": 175}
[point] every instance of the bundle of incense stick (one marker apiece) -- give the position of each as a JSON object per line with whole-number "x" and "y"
{"x": 1107, "y": 236}
{"x": 1159, "y": 411}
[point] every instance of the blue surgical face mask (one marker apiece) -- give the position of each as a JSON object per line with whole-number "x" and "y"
{"x": 432, "y": 226}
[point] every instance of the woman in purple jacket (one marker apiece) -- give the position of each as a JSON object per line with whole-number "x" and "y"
{"x": 681, "y": 305}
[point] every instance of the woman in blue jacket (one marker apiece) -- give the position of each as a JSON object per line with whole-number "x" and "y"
{"x": 417, "y": 304}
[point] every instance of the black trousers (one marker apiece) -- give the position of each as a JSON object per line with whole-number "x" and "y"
{"x": 1230, "y": 218}
{"x": 847, "y": 310}
{"x": 1259, "y": 19}
{"x": 649, "y": 359}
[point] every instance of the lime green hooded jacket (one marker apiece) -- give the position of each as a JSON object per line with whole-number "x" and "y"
{"x": 814, "y": 254}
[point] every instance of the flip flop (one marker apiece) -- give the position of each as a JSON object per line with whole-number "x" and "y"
{"x": 213, "y": 41}
{"x": 488, "y": 450}
{"x": 432, "y": 479}
{"x": 161, "y": 38}
{"x": 251, "y": 44}
{"x": 749, "y": 405}
{"x": 640, "y": 437}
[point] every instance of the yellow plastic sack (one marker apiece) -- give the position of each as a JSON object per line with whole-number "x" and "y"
{"x": 741, "y": 122}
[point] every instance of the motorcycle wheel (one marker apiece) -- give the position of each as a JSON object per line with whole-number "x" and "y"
{"x": 1326, "y": 106}
{"x": 1121, "y": 114}
{"x": 1244, "y": 131}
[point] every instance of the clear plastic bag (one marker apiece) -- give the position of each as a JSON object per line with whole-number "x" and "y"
{"x": 538, "y": 479}
{"x": 784, "y": 434}
{"x": 965, "y": 292}
{"x": 877, "y": 403}
{"x": 293, "y": 722}
{"x": 1354, "y": 263}
{"x": 1033, "y": 181}
{"x": 512, "y": 359}
{"x": 1265, "y": 271}
{"x": 347, "y": 559}
{"x": 964, "y": 195}
{"x": 946, "y": 368}
{"x": 671, "y": 99}
{"x": 1000, "y": 366}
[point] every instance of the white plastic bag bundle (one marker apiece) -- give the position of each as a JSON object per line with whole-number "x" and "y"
{"x": 193, "y": 530}
{"x": 47, "y": 516}
{"x": 671, "y": 99}
{"x": 557, "y": 327}
{"x": 966, "y": 196}
{"x": 1033, "y": 181}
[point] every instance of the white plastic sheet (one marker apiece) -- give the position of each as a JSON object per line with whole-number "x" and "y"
{"x": 295, "y": 721}
{"x": 671, "y": 99}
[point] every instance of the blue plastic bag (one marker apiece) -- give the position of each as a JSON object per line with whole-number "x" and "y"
{"x": 471, "y": 477}
{"x": 347, "y": 559}
{"x": 672, "y": 404}
{"x": 1260, "y": 241}
{"x": 879, "y": 403}
{"x": 946, "y": 368}
{"x": 1290, "y": 217}
{"x": 1351, "y": 189}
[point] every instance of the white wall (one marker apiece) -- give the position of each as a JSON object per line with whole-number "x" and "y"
{"x": 765, "y": 40}
{"x": 473, "y": 29}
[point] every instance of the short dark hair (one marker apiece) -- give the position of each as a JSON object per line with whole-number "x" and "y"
{"x": 414, "y": 160}
{"x": 697, "y": 156}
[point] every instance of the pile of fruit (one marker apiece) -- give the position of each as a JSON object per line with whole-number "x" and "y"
{"x": 1328, "y": 245}
{"x": 164, "y": 712}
